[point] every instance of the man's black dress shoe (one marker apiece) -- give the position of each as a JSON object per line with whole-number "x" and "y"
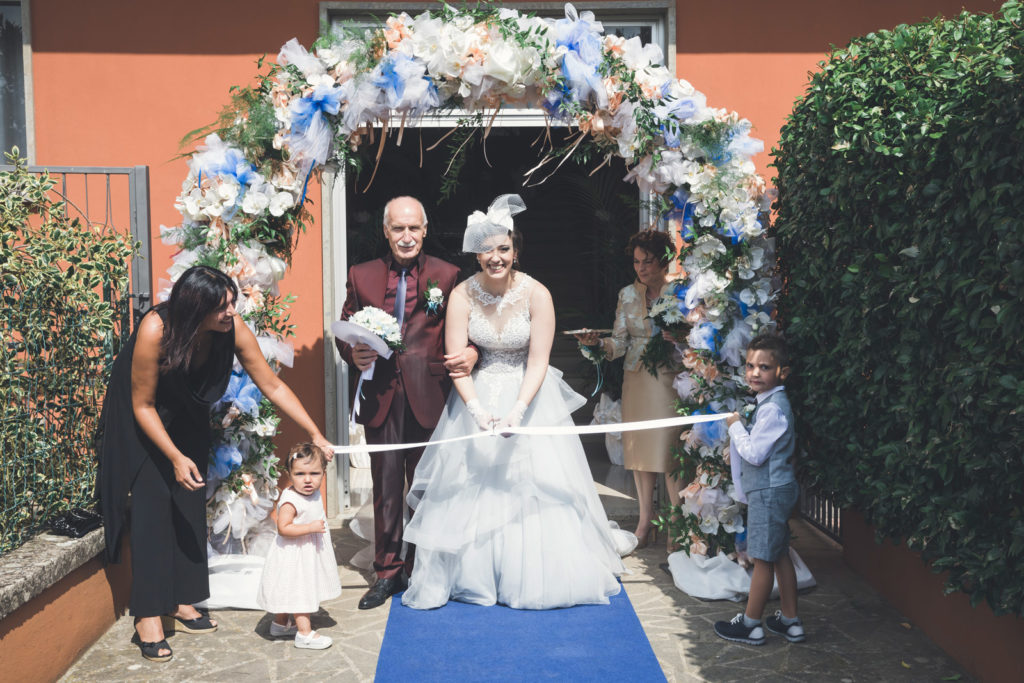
{"x": 381, "y": 591}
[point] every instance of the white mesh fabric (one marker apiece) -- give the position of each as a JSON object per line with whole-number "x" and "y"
{"x": 482, "y": 228}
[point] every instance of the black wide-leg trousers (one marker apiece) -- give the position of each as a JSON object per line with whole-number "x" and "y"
{"x": 168, "y": 542}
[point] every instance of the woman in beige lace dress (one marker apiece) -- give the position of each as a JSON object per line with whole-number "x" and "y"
{"x": 644, "y": 397}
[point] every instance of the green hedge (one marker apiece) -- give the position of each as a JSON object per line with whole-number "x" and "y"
{"x": 900, "y": 229}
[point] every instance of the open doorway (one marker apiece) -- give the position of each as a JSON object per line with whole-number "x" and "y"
{"x": 574, "y": 229}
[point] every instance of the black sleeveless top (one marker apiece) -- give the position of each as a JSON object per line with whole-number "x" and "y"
{"x": 183, "y": 400}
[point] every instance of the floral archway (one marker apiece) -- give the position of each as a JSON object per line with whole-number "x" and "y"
{"x": 245, "y": 194}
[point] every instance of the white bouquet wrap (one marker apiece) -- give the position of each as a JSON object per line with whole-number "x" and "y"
{"x": 376, "y": 329}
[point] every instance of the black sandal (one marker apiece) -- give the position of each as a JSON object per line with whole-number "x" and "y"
{"x": 200, "y": 624}
{"x": 151, "y": 651}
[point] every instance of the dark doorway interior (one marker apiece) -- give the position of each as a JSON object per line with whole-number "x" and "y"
{"x": 574, "y": 229}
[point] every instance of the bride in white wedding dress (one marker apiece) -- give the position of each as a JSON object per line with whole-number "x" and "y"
{"x": 514, "y": 520}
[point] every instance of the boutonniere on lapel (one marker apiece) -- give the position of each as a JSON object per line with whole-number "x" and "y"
{"x": 434, "y": 297}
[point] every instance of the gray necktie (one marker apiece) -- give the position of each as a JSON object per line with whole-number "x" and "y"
{"x": 400, "y": 298}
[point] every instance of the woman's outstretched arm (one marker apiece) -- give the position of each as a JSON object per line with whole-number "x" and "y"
{"x": 249, "y": 355}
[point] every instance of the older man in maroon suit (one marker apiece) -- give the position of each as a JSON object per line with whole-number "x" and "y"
{"x": 403, "y": 401}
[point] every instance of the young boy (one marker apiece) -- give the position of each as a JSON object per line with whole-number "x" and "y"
{"x": 768, "y": 480}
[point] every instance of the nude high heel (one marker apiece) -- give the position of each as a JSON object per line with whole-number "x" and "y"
{"x": 650, "y": 536}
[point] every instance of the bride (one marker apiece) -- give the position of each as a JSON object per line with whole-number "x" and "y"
{"x": 513, "y": 520}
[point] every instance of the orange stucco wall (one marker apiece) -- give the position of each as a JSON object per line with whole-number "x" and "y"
{"x": 119, "y": 83}
{"x": 43, "y": 637}
{"x": 987, "y": 646}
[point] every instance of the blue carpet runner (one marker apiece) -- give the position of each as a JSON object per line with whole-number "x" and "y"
{"x": 461, "y": 642}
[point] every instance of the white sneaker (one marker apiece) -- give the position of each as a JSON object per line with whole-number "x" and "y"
{"x": 279, "y": 631}
{"x": 313, "y": 641}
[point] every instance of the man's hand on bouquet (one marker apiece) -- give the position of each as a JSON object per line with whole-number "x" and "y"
{"x": 588, "y": 338}
{"x": 462, "y": 363}
{"x": 363, "y": 356}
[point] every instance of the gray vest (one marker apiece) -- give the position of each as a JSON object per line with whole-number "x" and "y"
{"x": 778, "y": 468}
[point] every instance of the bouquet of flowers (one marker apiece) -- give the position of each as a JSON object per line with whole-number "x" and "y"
{"x": 669, "y": 314}
{"x": 378, "y": 330}
{"x": 382, "y": 325}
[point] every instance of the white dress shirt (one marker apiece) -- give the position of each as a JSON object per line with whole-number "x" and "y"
{"x": 756, "y": 445}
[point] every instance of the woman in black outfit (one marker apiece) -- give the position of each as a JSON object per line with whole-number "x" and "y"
{"x": 156, "y": 441}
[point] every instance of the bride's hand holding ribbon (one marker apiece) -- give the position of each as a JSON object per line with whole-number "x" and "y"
{"x": 483, "y": 418}
{"x": 512, "y": 420}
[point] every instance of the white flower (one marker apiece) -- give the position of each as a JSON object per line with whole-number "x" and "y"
{"x": 673, "y": 315}
{"x": 281, "y": 202}
{"x": 709, "y": 525}
{"x": 265, "y": 428}
{"x": 254, "y": 202}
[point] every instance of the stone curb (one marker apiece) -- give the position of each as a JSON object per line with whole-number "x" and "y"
{"x": 29, "y": 570}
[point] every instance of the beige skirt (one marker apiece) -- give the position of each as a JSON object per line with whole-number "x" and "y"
{"x": 645, "y": 397}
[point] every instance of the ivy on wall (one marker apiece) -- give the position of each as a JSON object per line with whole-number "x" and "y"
{"x": 900, "y": 229}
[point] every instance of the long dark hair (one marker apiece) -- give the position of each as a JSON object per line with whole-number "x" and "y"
{"x": 198, "y": 292}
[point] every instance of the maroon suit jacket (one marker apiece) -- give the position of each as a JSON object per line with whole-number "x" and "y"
{"x": 421, "y": 365}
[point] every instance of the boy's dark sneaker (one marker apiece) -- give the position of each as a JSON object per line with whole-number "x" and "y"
{"x": 738, "y": 632}
{"x": 794, "y": 632}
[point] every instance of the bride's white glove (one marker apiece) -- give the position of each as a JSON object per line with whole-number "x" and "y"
{"x": 483, "y": 419}
{"x": 513, "y": 419}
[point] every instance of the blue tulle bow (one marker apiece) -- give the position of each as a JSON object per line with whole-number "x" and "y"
{"x": 707, "y": 336}
{"x": 233, "y": 165}
{"x": 323, "y": 100}
{"x": 388, "y": 79}
{"x": 680, "y": 291}
{"x": 734, "y": 231}
{"x": 582, "y": 41}
{"x": 682, "y": 210}
{"x": 672, "y": 113}
{"x": 226, "y": 460}
{"x": 709, "y": 433}
{"x": 242, "y": 393}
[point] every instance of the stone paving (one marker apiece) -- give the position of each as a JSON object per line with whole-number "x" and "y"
{"x": 853, "y": 634}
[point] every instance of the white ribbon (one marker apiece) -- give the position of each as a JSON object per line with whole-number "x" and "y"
{"x": 679, "y": 421}
{"x": 365, "y": 376}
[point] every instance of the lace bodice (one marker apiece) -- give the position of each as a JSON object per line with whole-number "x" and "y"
{"x": 500, "y": 325}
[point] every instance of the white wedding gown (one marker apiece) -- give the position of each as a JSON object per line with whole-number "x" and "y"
{"x": 512, "y": 520}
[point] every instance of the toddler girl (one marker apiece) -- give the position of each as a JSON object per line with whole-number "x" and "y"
{"x": 300, "y": 571}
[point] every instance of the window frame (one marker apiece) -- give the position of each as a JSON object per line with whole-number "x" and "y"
{"x": 29, "y": 154}
{"x": 660, "y": 15}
